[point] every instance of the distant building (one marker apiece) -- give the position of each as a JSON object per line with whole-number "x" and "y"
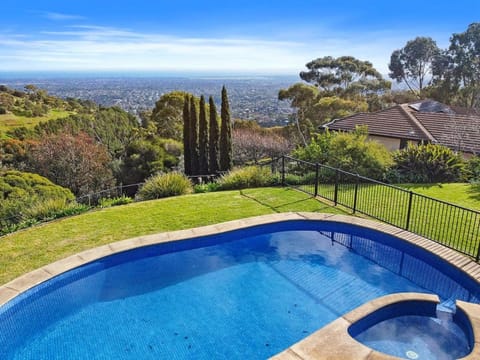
{"x": 425, "y": 121}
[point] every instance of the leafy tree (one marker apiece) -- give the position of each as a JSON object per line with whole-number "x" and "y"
{"x": 168, "y": 115}
{"x": 302, "y": 97}
{"x": 187, "y": 154}
{"x": 111, "y": 127}
{"x": 73, "y": 161}
{"x": 226, "y": 156}
{"x": 314, "y": 108}
{"x": 7, "y": 101}
{"x": 339, "y": 87}
{"x": 193, "y": 138}
{"x": 14, "y": 153}
{"x": 144, "y": 157}
{"x": 202, "y": 139}
{"x": 213, "y": 138}
{"x": 412, "y": 64}
{"x": 399, "y": 97}
{"x": 147, "y": 155}
{"x": 344, "y": 75}
{"x": 457, "y": 70}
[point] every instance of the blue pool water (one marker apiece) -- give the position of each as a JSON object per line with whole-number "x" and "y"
{"x": 246, "y": 294}
{"x": 418, "y": 337}
{"x": 416, "y": 329}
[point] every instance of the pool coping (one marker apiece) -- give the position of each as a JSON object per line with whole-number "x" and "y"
{"x": 330, "y": 342}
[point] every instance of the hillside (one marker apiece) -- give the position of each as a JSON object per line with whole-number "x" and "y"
{"x": 32, "y": 106}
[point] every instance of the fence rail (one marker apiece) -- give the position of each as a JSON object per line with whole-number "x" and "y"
{"x": 9, "y": 223}
{"x": 449, "y": 224}
{"x": 117, "y": 191}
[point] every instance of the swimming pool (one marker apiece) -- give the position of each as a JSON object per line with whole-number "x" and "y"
{"x": 247, "y": 293}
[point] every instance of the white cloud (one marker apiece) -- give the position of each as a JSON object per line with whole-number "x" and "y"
{"x": 60, "y": 17}
{"x": 90, "y": 47}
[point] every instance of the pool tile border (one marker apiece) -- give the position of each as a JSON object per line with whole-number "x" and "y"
{"x": 330, "y": 342}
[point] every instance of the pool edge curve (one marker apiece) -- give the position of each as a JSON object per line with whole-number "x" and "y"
{"x": 330, "y": 342}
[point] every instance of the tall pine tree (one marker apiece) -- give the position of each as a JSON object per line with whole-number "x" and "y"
{"x": 186, "y": 136}
{"x": 226, "y": 155}
{"x": 213, "y": 138}
{"x": 202, "y": 139}
{"x": 193, "y": 138}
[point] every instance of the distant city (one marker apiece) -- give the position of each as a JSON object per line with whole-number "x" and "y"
{"x": 252, "y": 98}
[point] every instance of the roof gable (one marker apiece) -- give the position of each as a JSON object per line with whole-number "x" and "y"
{"x": 422, "y": 121}
{"x": 391, "y": 122}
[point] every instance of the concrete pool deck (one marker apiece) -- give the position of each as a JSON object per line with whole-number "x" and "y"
{"x": 330, "y": 342}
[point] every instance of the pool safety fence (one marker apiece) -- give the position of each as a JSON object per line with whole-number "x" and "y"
{"x": 454, "y": 226}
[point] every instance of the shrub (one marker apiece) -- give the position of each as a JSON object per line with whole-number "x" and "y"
{"x": 298, "y": 178}
{"x": 355, "y": 153}
{"x": 15, "y": 184}
{"x": 428, "y": 164}
{"x": 473, "y": 169}
{"x": 164, "y": 185}
{"x": 317, "y": 150}
{"x": 52, "y": 209}
{"x": 27, "y": 198}
{"x": 351, "y": 152}
{"x": 121, "y": 200}
{"x": 206, "y": 187}
{"x": 247, "y": 177}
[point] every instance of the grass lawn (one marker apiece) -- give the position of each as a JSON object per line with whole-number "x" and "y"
{"x": 451, "y": 226}
{"x": 32, "y": 248}
{"x": 10, "y": 121}
{"x": 463, "y": 194}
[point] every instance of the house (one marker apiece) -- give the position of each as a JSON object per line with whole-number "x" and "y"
{"x": 425, "y": 121}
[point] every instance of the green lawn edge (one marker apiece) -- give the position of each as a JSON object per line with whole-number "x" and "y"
{"x": 29, "y": 249}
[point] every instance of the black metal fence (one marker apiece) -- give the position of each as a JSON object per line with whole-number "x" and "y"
{"x": 117, "y": 191}
{"x": 449, "y": 224}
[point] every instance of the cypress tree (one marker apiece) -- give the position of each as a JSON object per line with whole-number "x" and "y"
{"x": 202, "y": 139}
{"x": 226, "y": 155}
{"x": 186, "y": 136}
{"x": 193, "y": 138}
{"x": 213, "y": 138}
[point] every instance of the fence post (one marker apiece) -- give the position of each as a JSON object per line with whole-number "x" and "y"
{"x": 409, "y": 211}
{"x": 355, "y": 194}
{"x": 335, "y": 194}
{"x": 283, "y": 170}
{"x": 477, "y": 258}
{"x": 316, "y": 179}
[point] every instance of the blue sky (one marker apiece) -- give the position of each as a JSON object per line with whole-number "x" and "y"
{"x": 271, "y": 37}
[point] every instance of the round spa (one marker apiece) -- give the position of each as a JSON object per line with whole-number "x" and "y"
{"x": 416, "y": 329}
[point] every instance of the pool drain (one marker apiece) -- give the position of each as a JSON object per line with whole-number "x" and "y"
{"x": 411, "y": 354}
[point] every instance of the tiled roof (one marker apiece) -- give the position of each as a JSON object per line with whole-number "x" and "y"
{"x": 458, "y": 132}
{"x": 391, "y": 122}
{"x": 456, "y": 129}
